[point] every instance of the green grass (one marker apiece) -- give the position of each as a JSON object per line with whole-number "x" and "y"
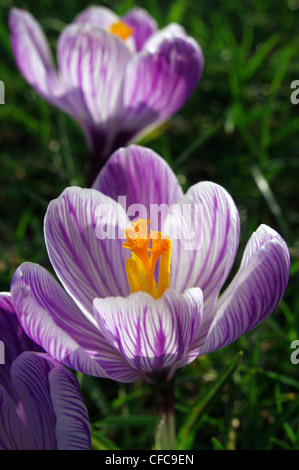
{"x": 239, "y": 129}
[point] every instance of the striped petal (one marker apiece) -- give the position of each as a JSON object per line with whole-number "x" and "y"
{"x": 143, "y": 177}
{"x": 255, "y": 291}
{"x": 104, "y": 18}
{"x": 172, "y": 30}
{"x": 51, "y": 318}
{"x": 204, "y": 228}
{"x": 157, "y": 83}
{"x": 91, "y": 63}
{"x": 151, "y": 334}
{"x": 11, "y": 333}
{"x": 96, "y": 15}
{"x": 72, "y": 420}
{"x": 44, "y": 401}
{"x": 30, "y": 377}
{"x": 12, "y": 429}
{"x": 143, "y": 25}
{"x": 13, "y": 342}
{"x": 84, "y": 234}
{"x": 33, "y": 57}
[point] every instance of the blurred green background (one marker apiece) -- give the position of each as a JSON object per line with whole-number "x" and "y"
{"x": 239, "y": 129}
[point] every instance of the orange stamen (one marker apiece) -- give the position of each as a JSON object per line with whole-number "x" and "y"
{"x": 121, "y": 30}
{"x": 146, "y": 250}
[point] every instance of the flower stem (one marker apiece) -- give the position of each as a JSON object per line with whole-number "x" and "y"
{"x": 165, "y": 435}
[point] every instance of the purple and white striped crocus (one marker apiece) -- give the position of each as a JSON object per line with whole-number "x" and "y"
{"x": 141, "y": 305}
{"x": 117, "y": 77}
{"x": 41, "y": 407}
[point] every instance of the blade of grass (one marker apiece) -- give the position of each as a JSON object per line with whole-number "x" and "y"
{"x": 259, "y": 57}
{"x": 280, "y": 443}
{"x": 100, "y": 442}
{"x": 186, "y": 433}
{"x": 283, "y": 379}
{"x": 176, "y": 12}
{"x": 66, "y": 151}
{"x": 279, "y": 423}
{"x": 201, "y": 139}
{"x": 269, "y": 197}
{"x": 18, "y": 115}
{"x": 154, "y": 6}
{"x": 126, "y": 421}
{"x": 285, "y": 58}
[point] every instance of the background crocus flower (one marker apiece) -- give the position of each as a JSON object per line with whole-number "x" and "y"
{"x": 124, "y": 318}
{"x": 118, "y": 77}
{"x": 41, "y": 407}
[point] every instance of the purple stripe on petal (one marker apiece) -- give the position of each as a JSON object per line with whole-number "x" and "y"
{"x": 151, "y": 334}
{"x": 255, "y": 291}
{"x": 142, "y": 176}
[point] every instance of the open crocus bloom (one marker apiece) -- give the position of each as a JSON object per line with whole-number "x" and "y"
{"x": 141, "y": 296}
{"x": 118, "y": 77}
{"x": 41, "y": 407}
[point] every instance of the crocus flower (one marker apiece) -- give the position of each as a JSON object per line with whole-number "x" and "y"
{"x": 136, "y": 303}
{"x": 117, "y": 77}
{"x": 41, "y": 407}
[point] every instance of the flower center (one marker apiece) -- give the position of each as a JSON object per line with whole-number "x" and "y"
{"x": 147, "y": 248}
{"x": 121, "y": 30}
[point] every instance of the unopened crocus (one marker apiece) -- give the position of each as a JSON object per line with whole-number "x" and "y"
{"x": 41, "y": 407}
{"x": 117, "y": 77}
{"x": 140, "y": 301}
